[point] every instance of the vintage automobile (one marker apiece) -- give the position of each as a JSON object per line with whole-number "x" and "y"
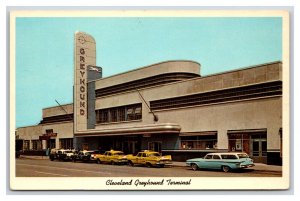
{"x": 85, "y": 156}
{"x": 61, "y": 154}
{"x": 221, "y": 161}
{"x": 149, "y": 158}
{"x": 112, "y": 157}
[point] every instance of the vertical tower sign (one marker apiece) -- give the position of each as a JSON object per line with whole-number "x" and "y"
{"x": 84, "y": 56}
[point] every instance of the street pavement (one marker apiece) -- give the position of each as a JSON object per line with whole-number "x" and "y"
{"x": 258, "y": 166}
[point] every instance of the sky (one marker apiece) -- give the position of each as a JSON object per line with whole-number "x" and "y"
{"x": 44, "y": 50}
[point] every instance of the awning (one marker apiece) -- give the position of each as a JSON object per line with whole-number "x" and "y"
{"x": 247, "y": 131}
{"x": 166, "y": 128}
{"x": 202, "y": 133}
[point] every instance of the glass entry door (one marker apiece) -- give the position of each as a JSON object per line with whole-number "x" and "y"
{"x": 154, "y": 146}
{"x": 259, "y": 149}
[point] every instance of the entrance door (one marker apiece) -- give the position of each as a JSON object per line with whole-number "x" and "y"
{"x": 259, "y": 150}
{"x": 154, "y": 146}
{"x": 130, "y": 147}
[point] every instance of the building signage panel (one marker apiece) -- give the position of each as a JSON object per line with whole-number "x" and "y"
{"x": 85, "y": 56}
{"x": 47, "y": 136}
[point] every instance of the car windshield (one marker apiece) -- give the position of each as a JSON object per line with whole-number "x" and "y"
{"x": 243, "y": 156}
{"x": 229, "y": 156}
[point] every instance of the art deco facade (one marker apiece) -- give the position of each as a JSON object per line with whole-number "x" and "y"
{"x": 169, "y": 107}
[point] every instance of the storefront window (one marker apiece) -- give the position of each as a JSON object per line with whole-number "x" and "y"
{"x": 26, "y": 144}
{"x": 36, "y": 145}
{"x": 239, "y": 142}
{"x": 66, "y": 143}
{"x": 199, "y": 142}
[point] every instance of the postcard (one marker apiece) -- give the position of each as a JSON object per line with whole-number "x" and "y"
{"x": 149, "y": 100}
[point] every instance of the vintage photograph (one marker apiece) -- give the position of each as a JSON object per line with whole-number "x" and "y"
{"x": 149, "y": 100}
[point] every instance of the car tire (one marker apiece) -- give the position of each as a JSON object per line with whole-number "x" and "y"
{"x": 112, "y": 162}
{"x": 194, "y": 166}
{"x": 98, "y": 161}
{"x": 162, "y": 165}
{"x": 148, "y": 165}
{"x": 225, "y": 168}
{"x": 74, "y": 160}
{"x": 130, "y": 163}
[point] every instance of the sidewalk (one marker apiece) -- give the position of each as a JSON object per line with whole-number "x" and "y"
{"x": 258, "y": 166}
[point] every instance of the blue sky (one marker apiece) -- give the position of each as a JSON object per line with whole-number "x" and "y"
{"x": 44, "y": 50}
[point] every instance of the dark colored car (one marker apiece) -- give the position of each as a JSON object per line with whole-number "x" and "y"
{"x": 61, "y": 154}
{"x": 85, "y": 156}
{"x": 18, "y": 153}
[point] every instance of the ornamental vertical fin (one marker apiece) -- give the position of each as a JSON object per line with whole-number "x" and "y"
{"x": 84, "y": 56}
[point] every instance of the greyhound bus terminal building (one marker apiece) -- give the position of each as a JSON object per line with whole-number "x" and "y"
{"x": 167, "y": 107}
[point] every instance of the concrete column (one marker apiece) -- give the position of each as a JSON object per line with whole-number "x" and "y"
{"x": 57, "y": 143}
{"x": 222, "y": 139}
{"x": 44, "y": 144}
{"x": 273, "y": 138}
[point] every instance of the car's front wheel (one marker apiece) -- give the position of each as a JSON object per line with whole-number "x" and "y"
{"x": 98, "y": 161}
{"x": 225, "y": 168}
{"x": 194, "y": 166}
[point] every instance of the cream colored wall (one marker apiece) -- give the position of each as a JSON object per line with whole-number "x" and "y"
{"x": 148, "y": 71}
{"x": 54, "y": 111}
{"x": 261, "y": 113}
{"x": 63, "y": 130}
{"x": 30, "y": 133}
{"x": 255, "y": 114}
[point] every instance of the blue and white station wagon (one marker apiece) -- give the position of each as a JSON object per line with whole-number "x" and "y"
{"x": 221, "y": 161}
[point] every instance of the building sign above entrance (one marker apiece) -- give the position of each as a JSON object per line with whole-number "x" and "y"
{"x": 85, "y": 56}
{"x": 47, "y": 136}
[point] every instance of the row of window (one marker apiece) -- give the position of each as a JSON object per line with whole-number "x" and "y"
{"x": 240, "y": 93}
{"x": 119, "y": 114}
{"x": 66, "y": 143}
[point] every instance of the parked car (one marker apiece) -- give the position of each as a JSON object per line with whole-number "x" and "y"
{"x": 221, "y": 161}
{"x": 85, "y": 156}
{"x": 112, "y": 157}
{"x": 94, "y": 154}
{"x": 18, "y": 154}
{"x": 149, "y": 158}
{"x": 61, "y": 154}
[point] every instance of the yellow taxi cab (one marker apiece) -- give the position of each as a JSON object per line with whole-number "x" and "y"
{"x": 149, "y": 158}
{"x": 112, "y": 157}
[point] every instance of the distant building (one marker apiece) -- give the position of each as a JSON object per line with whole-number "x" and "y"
{"x": 169, "y": 107}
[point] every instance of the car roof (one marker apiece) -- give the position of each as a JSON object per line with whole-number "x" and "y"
{"x": 115, "y": 151}
{"x": 149, "y": 152}
{"x": 226, "y": 153}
